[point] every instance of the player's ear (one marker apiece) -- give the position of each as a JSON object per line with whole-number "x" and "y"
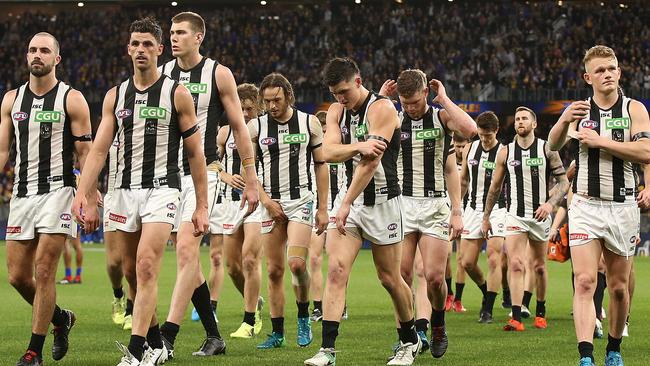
{"x": 587, "y": 78}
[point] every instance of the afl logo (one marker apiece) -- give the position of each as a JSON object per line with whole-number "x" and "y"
{"x": 472, "y": 162}
{"x": 20, "y": 116}
{"x": 515, "y": 163}
{"x": 232, "y": 146}
{"x": 404, "y": 136}
{"x": 392, "y": 226}
{"x": 589, "y": 124}
{"x": 123, "y": 113}
{"x": 171, "y": 206}
{"x": 65, "y": 217}
{"x": 268, "y": 141}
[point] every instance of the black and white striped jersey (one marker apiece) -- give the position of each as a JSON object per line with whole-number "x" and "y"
{"x": 44, "y": 141}
{"x": 481, "y": 165}
{"x": 529, "y": 173}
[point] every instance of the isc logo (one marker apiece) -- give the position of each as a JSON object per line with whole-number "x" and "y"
{"x": 294, "y": 138}
{"x": 152, "y": 113}
{"x": 617, "y": 123}
{"x": 428, "y": 134}
{"x": 197, "y": 88}
{"x": 47, "y": 117}
{"x": 489, "y": 165}
{"x": 534, "y": 161}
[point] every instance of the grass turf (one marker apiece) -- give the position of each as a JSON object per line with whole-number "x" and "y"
{"x": 365, "y": 339}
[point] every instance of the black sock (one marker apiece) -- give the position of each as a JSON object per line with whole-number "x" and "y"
{"x": 153, "y": 337}
{"x": 118, "y": 292}
{"x": 407, "y": 332}
{"x": 586, "y": 349}
{"x": 129, "y": 307}
{"x": 318, "y": 305}
{"x": 459, "y": 291}
{"x": 59, "y": 317}
{"x": 303, "y": 309}
{"x": 213, "y": 305}
{"x": 249, "y": 318}
{"x": 136, "y": 346}
{"x": 449, "y": 289}
{"x": 330, "y": 332}
{"x": 540, "y": 310}
{"x": 278, "y": 325}
{"x": 483, "y": 288}
{"x": 490, "y": 296}
{"x": 422, "y": 325}
{"x": 36, "y": 343}
{"x": 506, "y": 293}
{"x": 437, "y": 318}
{"x": 169, "y": 331}
{"x": 201, "y": 302}
{"x": 527, "y": 296}
{"x": 516, "y": 312}
{"x": 599, "y": 294}
{"x": 613, "y": 344}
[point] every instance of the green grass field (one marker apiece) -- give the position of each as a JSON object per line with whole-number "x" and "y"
{"x": 365, "y": 339}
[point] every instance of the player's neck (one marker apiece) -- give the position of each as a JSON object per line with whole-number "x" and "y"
{"x": 286, "y": 116}
{"x": 362, "y": 98}
{"x": 143, "y": 79}
{"x": 189, "y": 61}
{"x": 605, "y": 100}
{"x": 525, "y": 141}
{"x": 43, "y": 84}
{"x": 490, "y": 145}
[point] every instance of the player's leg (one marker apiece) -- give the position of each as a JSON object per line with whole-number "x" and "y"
{"x": 630, "y": 289}
{"x": 407, "y": 262}
{"x": 471, "y": 249}
{"x": 529, "y": 282}
{"x": 584, "y": 259}
{"x": 129, "y": 243}
{"x": 79, "y": 257}
{"x": 450, "y": 291}
{"x": 315, "y": 268}
{"x": 516, "y": 247}
{"x": 506, "y": 303}
{"x": 434, "y": 253}
{"x": 460, "y": 280}
{"x": 215, "y": 277}
{"x": 494, "y": 280}
{"x": 232, "y": 250}
{"x": 67, "y": 263}
{"x": 298, "y": 235}
{"x": 539, "y": 272}
{"x": 618, "y": 278}
{"x": 422, "y": 303}
{"x": 115, "y": 275}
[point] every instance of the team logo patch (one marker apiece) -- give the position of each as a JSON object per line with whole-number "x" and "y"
{"x": 534, "y": 161}
{"x": 428, "y": 134}
{"x": 14, "y": 229}
{"x": 152, "y": 113}
{"x": 578, "y": 236}
{"x": 232, "y": 146}
{"x": 268, "y": 141}
{"x": 267, "y": 223}
{"x": 20, "y": 116}
{"x": 589, "y": 124}
{"x": 294, "y": 138}
{"x": 117, "y": 218}
{"x": 392, "y": 226}
{"x": 633, "y": 240}
{"x": 472, "y": 162}
{"x": 404, "y": 136}
{"x": 500, "y": 226}
{"x": 344, "y": 130}
{"x": 123, "y": 113}
{"x": 489, "y": 165}
{"x": 47, "y": 117}
{"x": 65, "y": 217}
{"x": 197, "y": 88}
{"x": 171, "y": 206}
{"x": 617, "y": 123}
{"x": 515, "y": 163}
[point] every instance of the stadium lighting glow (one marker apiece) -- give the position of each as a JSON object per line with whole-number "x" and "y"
{"x": 357, "y": 1}
{"x": 398, "y": 1}
{"x": 80, "y": 4}
{"x": 263, "y": 2}
{"x": 174, "y": 3}
{"x": 559, "y": 3}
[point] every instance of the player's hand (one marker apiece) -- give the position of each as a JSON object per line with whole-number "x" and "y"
{"x": 85, "y": 213}
{"x": 371, "y": 148}
{"x": 543, "y": 211}
{"x": 235, "y": 180}
{"x": 342, "y": 217}
{"x": 200, "y": 221}
{"x": 437, "y": 87}
{"x": 100, "y": 199}
{"x": 322, "y": 219}
{"x": 276, "y": 212}
{"x": 486, "y": 228}
{"x": 455, "y": 227}
{"x": 643, "y": 199}
{"x": 590, "y": 138}
{"x": 389, "y": 88}
{"x": 555, "y": 236}
{"x": 251, "y": 196}
{"x": 576, "y": 111}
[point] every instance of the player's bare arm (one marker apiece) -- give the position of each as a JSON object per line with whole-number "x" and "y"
{"x": 452, "y": 116}
{"x": 322, "y": 175}
{"x": 6, "y": 126}
{"x": 464, "y": 172}
{"x": 495, "y": 190}
{"x": 79, "y": 114}
{"x": 567, "y": 123}
{"x": 559, "y": 190}
{"x": 454, "y": 189}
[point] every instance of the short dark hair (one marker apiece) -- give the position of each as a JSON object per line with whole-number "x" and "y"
{"x": 339, "y": 69}
{"x": 457, "y": 137}
{"x": 54, "y": 40}
{"x": 410, "y": 82}
{"x": 522, "y": 108}
{"x": 196, "y": 21}
{"x": 488, "y": 121}
{"x": 277, "y": 80}
{"x": 147, "y": 25}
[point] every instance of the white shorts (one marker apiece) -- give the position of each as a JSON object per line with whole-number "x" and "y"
{"x": 133, "y": 207}
{"x": 108, "y": 201}
{"x": 380, "y": 224}
{"x": 299, "y": 210}
{"x": 472, "y": 221}
{"x": 188, "y": 198}
{"x": 616, "y": 223}
{"x": 537, "y": 230}
{"x": 47, "y": 213}
{"x": 230, "y": 217}
{"x": 429, "y": 216}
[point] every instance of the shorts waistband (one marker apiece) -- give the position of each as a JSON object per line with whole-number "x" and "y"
{"x": 595, "y": 201}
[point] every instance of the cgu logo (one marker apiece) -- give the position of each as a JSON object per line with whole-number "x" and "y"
{"x": 361, "y": 131}
{"x": 152, "y": 113}
{"x": 197, "y": 88}
{"x": 47, "y": 117}
{"x": 404, "y": 136}
{"x": 123, "y": 113}
{"x": 534, "y": 161}
{"x": 589, "y": 124}
{"x": 428, "y": 134}
{"x": 20, "y": 116}
{"x": 489, "y": 165}
{"x": 268, "y": 141}
{"x": 232, "y": 146}
{"x": 294, "y": 138}
{"x": 617, "y": 123}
